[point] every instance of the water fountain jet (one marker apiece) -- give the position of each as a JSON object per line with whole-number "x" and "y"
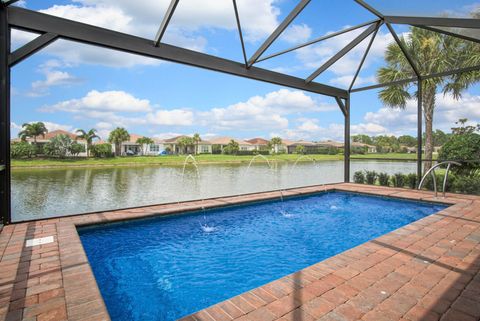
{"x": 193, "y": 162}
{"x": 259, "y": 156}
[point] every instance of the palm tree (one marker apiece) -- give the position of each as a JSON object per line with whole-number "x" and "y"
{"x": 117, "y": 137}
{"x": 144, "y": 141}
{"x": 32, "y": 130}
{"x": 276, "y": 141}
{"x": 232, "y": 148}
{"x": 196, "y": 140}
{"x": 434, "y": 52}
{"x": 185, "y": 142}
{"x": 88, "y": 137}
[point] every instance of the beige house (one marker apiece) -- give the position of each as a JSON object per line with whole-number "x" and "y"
{"x": 369, "y": 148}
{"x": 258, "y": 143}
{"x": 172, "y": 146}
{"x": 222, "y": 142}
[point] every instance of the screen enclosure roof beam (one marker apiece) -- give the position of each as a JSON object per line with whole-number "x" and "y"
{"x": 369, "y": 8}
{"x": 285, "y": 23}
{"x": 342, "y": 52}
{"x": 28, "y": 20}
{"x": 319, "y": 39}
{"x": 411, "y": 80}
{"x": 451, "y": 34}
{"x": 404, "y": 50}
{"x": 30, "y": 48}
{"x": 432, "y": 21}
{"x": 166, "y": 19}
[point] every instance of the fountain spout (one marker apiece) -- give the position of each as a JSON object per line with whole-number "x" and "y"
{"x": 259, "y": 156}
{"x": 193, "y": 161}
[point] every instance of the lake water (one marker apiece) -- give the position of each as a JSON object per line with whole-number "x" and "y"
{"x": 41, "y": 193}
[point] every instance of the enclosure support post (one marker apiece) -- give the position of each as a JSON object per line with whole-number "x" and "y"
{"x": 419, "y": 129}
{"x": 5, "y": 209}
{"x": 346, "y": 150}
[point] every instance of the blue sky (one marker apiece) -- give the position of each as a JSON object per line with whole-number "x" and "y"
{"x": 69, "y": 85}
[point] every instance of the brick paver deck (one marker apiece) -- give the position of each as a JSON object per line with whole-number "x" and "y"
{"x": 427, "y": 270}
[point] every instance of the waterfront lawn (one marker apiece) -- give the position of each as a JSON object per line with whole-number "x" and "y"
{"x": 179, "y": 159}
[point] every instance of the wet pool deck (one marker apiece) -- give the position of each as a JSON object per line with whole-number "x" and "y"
{"x": 427, "y": 270}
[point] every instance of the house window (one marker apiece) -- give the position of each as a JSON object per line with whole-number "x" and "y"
{"x": 154, "y": 148}
{"x": 204, "y": 149}
{"x": 243, "y": 148}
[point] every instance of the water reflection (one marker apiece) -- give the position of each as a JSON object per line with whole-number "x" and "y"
{"x": 57, "y": 192}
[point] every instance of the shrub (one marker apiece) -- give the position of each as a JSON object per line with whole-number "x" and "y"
{"x": 412, "y": 180}
{"x": 300, "y": 149}
{"x": 22, "y": 150}
{"x": 76, "y": 149}
{"x": 232, "y": 148}
{"x": 466, "y": 185}
{"x": 462, "y": 147}
{"x": 428, "y": 183}
{"x": 383, "y": 179}
{"x": 362, "y": 150}
{"x": 252, "y": 152}
{"x": 370, "y": 177}
{"x": 101, "y": 150}
{"x": 398, "y": 180}
{"x": 58, "y": 146}
{"x": 359, "y": 177}
{"x": 332, "y": 151}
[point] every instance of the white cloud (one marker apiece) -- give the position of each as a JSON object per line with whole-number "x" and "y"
{"x": 345, "y": 81}
{"x": 104, "y": 125}
{"x": 399, "y": 122}
{"x": 166, "y": 135}
{"x": 98, "y": 103}
{"x": 14, "y": 125}
{"x": 263, "y": 112}
{"x": 368, "y": 129}
{"x": 296, "y": 34}
{"x": 309, "y": 130}
{"x": 309, "y": 126}
{"x": 54, "y": 126}
{"x": 174, "y": 117}
{"x": 49, "y": 125}
{"x": 53, "y": 77}
{"x": 21, "y": 4}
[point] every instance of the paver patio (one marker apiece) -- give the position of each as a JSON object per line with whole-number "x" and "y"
{"x": 427, "y": 270}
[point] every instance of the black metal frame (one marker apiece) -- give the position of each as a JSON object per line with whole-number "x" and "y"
{"x": 52, "y": 28}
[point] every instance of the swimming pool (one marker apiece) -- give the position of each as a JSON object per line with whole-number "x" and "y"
{"x": 168, "y": 267}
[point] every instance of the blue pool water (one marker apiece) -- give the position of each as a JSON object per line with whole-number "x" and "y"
{"x": 169, "y": 267}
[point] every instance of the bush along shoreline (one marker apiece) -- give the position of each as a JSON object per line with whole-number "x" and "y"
{"x": 457, "y": 183}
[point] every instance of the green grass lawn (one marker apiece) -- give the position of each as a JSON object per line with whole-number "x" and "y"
{"x": 387, "y": 155}
{"x": 179, "y": 159}
{"x": 159, "y": 160}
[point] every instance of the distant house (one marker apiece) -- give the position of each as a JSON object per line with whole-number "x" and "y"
{"x": 258, "y": 143}
{"x": 292, "y": 146}
{"x": 42, "y": 140}
{"x": 155, "y": 148}
{"x": 131, "y": 146}
{"x": 172, "y": 145}
{"x": 319, "y": 147}
{"x": 370, "y": 149}
{"x": 222, "y": 142}
{"x": 413, "y": 150}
